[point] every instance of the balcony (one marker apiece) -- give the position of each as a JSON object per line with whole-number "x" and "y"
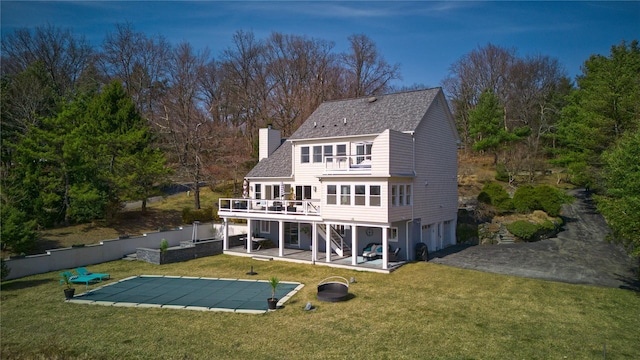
{"x": 354, "y": 164}
{"x": 257, "y": 208}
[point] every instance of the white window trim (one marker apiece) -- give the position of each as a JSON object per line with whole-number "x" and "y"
{"x": 265, "y": 227}
{"x": 390, "y": 233}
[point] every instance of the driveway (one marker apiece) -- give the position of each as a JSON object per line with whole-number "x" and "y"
{"x": 580, "y": 254}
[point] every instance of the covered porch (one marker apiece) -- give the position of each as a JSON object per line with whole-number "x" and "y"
{"x": 306, "y": 257}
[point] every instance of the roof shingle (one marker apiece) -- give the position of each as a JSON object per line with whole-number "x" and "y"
{"x": 400, "y": 112}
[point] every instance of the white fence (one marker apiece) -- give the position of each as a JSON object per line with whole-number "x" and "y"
{"x": 109, "y": 250}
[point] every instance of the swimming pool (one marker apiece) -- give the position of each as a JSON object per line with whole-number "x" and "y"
{"x": 190, "y": 293}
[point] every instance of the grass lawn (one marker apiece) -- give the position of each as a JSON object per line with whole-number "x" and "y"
{"x": 421, "y": 311}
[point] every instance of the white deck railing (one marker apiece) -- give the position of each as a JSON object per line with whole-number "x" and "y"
{"x": 282, "y": 207}
{"x": 352, "y": 163}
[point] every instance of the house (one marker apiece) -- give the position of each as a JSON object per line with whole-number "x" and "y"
{"x": 381, "y": 169}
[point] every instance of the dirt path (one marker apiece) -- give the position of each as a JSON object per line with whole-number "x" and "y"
{"x": 579, "y": 254}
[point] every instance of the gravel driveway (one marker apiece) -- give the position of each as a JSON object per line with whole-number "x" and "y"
{"x": 579, "y": 254}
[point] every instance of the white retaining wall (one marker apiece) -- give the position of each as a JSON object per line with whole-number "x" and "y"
{"x": 109, "y": 250}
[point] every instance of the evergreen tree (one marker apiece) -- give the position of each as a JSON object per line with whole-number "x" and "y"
{"x": 621, "y": 203}
{"x": 486, "y": 125}
{"x": 605, "y": 105}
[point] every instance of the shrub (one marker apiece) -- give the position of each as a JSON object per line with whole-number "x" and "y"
{"x": 501, "y": 173}
{"x": 543, "y": 197}
{"x": 164, "y": 245}
{"x": 525, "y": 200}
{"x": 528, "y": 231}
{"x": 4, "y": 269}
{"x": 550, "y": 199}
{"x": 494, "y": 194}
{"x": 523, "y": 229}
{"x": 189, "y": 215}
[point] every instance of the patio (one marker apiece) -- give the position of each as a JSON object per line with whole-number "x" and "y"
{"x": 304, "y": 257}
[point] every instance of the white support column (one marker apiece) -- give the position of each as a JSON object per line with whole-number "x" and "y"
{"x": 225, "y": 234}
{"x": 314, "y": 242}
{"x": 354, "y": 244}
{"x": 385, "y": 247}
{"x": 281, "y": 238}
{"x": 327, "y": 240}
{"x": 249, "y": 241}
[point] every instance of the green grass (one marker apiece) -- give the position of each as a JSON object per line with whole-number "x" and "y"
{"x": 421, "y": 311}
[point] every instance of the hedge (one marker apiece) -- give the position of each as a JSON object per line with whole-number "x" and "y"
{"x": 203, "y": 215}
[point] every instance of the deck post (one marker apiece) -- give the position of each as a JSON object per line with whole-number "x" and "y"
{"x": 354, "y": 244}
{"x": 314, "y": 242}
{"x": 249, "y": 240}
{"x": 281, "y": 238}
{"x": 225, "y": 234}
{"x": 385, "y": 247}
{"x": 327, "y": 239}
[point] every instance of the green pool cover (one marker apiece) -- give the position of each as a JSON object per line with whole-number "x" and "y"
{"x": 191, "y": 293}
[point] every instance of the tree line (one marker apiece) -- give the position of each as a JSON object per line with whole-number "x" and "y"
{"x": 530, "y": 116}
{"x": 68, "y": 155}
{"x": 85, "y": 128}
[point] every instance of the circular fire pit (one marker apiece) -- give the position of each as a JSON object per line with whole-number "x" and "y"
{"x": 333, "y": 289}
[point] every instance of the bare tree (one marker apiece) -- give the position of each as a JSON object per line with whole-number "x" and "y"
{"x": 366, "y": 70}
{"x": 297, "y": 71}
{"x": 186, "y": 132}
{"x": 64, "y": 55}
{"x": 244, "y": 84}
{"x": 140, "y": 62}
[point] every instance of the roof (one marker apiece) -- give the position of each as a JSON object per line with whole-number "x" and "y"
{"x": 277, "y": 165}
{"x": 368, "y": 115}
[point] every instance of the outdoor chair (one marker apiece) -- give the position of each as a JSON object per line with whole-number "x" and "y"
{"x": 394, "y": 255}
{"x": 78, "y": 279}
{"x": 371, "y": 252}
{"x": 86, "y": 273}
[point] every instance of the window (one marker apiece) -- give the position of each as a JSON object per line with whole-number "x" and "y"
{"x": 303, "y": 192}
{"x": 265, "y": 227}
{"x": 304, "y": 154}
{"x": 331, "y": 194}
{"x": 345, "y": 195}
{"x": 360, "y": 196}
{"x": 365, "y": 150}
{"x": 401, "y": 195}
{"x": 341, "y": 150}
{"x": 258, "y": 191}
{"x": 374, "y": 195}
{"x": 392, "y": 234}
{"x": 317, "y": 154}
{"x": 328, "y": 153}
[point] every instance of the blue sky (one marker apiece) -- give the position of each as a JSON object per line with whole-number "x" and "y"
{"x": 424, "y": 37}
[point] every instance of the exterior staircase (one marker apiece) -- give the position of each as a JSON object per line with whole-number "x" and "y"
{"x": 130, "y": 257}
{"x": 337, "y": 242}
{"x": 504, "y": 236}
